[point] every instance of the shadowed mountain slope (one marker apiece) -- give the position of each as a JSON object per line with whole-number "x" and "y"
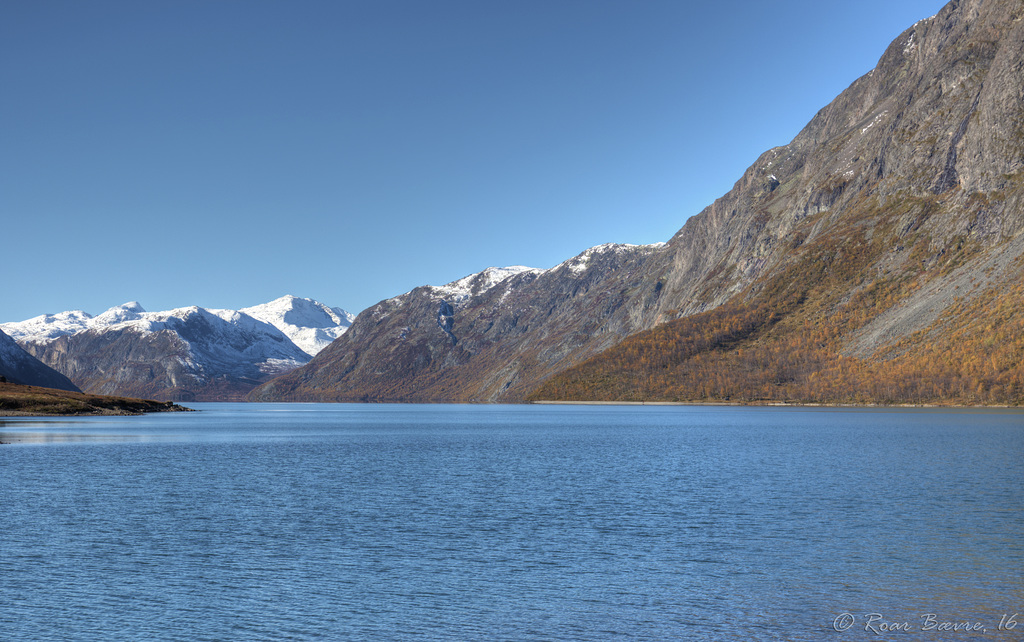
{"x": 19, "y": 367}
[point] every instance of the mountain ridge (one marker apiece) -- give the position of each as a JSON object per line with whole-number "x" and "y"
{"x": 910, "y": 174}
{"x": 408, "y": 356}
{"x": 913, "y": 170}
{"x": 894, "y": 217}
{"x": 311, "y": 325}
{"x": 184, "y": 354}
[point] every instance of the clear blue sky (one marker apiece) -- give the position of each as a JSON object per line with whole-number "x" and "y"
{"x": 225, "y": 153}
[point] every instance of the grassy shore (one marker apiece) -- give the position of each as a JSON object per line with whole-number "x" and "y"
{"x": 21, "y": 401}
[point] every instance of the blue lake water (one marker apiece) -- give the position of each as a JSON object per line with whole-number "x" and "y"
{"x": 302, "y": 522}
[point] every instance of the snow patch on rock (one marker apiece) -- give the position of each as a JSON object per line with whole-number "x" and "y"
{"x": 478, "y": 283}
{"x": 578, "y": 264}
{"x": 46, "y": 327}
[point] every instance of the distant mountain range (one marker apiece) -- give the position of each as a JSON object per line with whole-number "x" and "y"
{"x": 188, "y": 353}
{"x": 875, "y": 258}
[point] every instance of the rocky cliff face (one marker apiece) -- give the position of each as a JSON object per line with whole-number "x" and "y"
{"x": 18, "y": 366}
{"x": 912, "y": 176}
{"x": 924, "y": 137}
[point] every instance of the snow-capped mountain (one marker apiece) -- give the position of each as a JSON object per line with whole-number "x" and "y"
{"x": 311, "y": 325}
{"x": 187, "y": 353}
{"x": 47, "y": 327}
{"x": 485, "y": 336}
{"x": 479, "y": 282}
{"x": 18, "y": 366}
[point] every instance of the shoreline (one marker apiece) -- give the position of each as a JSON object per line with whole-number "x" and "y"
{"x": 18, "y": 400}
{"x": 773, "y": 404}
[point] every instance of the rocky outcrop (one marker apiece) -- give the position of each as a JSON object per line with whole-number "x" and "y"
{"x": 913, "y": 171}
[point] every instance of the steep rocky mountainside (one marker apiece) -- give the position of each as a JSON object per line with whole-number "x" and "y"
{"x": 491, "y": 335}
{"x": 180, "y": 355}
{"x": 891, "y": 219}
{"x": 19, "y": 367}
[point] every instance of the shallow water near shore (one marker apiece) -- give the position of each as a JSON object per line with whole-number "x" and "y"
{"x": 438, "y": 522}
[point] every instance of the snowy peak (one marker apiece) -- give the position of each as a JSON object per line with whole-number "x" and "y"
{"x": 480, "y": 282}
{"x": 311, "y": 325}
{"x": 182, "y": 354}
{"x": 48, "y": 326}
{"x": 578, "y": 264}
{"x": 295, "y": 311}
{"x": 130, "y": 311}
{"x": 228, "y": 338}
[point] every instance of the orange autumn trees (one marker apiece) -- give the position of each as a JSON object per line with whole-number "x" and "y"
{"x": 788, "y": 341}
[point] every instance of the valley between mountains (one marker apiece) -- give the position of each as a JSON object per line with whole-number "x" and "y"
{"x": 876, "y": 258}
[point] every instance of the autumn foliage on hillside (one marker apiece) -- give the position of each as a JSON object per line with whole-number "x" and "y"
{"x": 745, "y": 354}
{"x": 788, "y": 342}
